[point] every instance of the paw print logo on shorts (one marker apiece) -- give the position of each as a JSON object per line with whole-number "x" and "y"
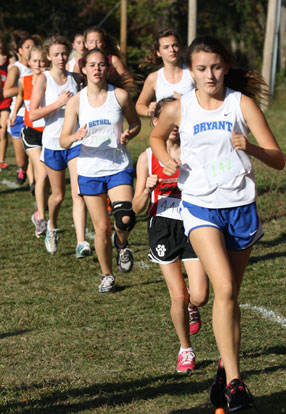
{"x": 161, "y": 250}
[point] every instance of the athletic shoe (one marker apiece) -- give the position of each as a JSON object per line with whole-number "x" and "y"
{"x": 51, "y": 240}
{"x": 21, "y": 176}
{"x": 186, "y": 361}
{"x": 124, "y": 256}
{"x": 194, "y": 320}
{"x": 3, "y": 166}
{"x": 82, "y": 250}
{"x": 106, "y": 284}
{"x": 217, "y": 389}
{"x": 40, "y": 225}
{"x": 237, "y": 396}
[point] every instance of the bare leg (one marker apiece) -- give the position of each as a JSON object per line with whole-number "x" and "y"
{"x": 172, "y": 273}
{"x": 20, "y": 155}
{"x": 41, "y": 177}
{"x": 209, "y": 245}
{"x": 198, "y": 282}
{"x": 57, "y": 180}
{"x": 97, "y": 207}
{"x": 4, "y": 116}
{"x": 79, "y": 209}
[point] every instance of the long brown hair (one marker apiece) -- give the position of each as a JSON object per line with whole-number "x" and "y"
{"x": 248, "y": 82}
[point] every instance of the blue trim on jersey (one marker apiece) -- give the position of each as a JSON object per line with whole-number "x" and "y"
{"x": 240, "y": 225}
{"x": 101, "y": 185}
{"x": 58, "y": 159}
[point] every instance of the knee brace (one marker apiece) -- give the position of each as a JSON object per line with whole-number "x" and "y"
{"x": 122, "y": 209}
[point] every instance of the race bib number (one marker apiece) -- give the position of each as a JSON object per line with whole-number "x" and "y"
{"x": 222, "y": 170}
{"x": 168, "y": 207}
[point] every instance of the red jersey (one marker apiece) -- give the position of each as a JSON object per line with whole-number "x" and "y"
{"x": 166, "y": 197}
{"x": 27, "y": 93}
{"x": 3, "y": 76}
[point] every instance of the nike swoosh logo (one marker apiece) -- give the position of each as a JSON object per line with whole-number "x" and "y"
{"x": 227, "y": 114}
{"x": 252, "y": 233}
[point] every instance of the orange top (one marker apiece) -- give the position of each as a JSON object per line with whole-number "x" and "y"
{"x": 27, "y": 93}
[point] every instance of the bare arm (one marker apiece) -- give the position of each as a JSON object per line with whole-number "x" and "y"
{"x": 129, "y": 112}
{"x": 9, "y": 89}
{"x": 267, "y": 150}
{"x": 169, "y": 118}
{"x": 144, "y": 106}
{"x": 36, "y": 111}
{"x": 18, "y": 103}
{"x": 69, "y": 135}
{"x": 145, "y": 184}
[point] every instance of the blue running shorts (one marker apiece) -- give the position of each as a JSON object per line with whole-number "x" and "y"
{"x": 101, "y": 185}
{"x": 15, "y": 130}
{"x": 58, "y": 159}
{"x": 240, "y": 226}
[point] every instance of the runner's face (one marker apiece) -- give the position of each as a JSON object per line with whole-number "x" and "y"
{"x": 208, "y": 70}
{"x": 169, "y": 49}
{"x": 58, "y": 55}
{"x": 25, "y": 49}
{"x": 35, "y": 62}
{"x": 78, "y": 45}
{"x": 95, "y": 68}
{"x": 94, "y": 39}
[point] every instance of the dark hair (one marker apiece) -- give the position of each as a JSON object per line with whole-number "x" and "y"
{"x": 152, "y": 58}
{"x": 110, "y": 44}
{"x": 161, "y": 104}
{"x": 5, "y": 48}
{"x": 124, "y": 81}
{"x": 23, "y": 40}
{"x": 248, "y": 82}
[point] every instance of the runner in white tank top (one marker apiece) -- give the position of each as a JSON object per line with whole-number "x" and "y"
{"x": 104, "y": 163}
{"x": 78, "y": 51}
{"x": 17, "y": 70}
{"x": 169, "y": 246}
{"x": 51, "y": 92}
{"x": 214, "y": 136}
{"x": 173, "y": 79}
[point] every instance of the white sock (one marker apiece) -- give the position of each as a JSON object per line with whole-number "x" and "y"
{"x": 185, "y": 349}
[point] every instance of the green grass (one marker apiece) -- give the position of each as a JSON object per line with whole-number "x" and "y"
{"x": 67, "y": 349}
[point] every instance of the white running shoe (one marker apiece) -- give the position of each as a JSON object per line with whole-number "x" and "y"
{"x": 82, "y": 250}
{"x": 106, "y": 284}
{"x": 51, "y": 239}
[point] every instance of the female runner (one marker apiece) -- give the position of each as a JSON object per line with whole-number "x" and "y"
{"x": 51, "y": 92}
{"x": 32, "y": 137}
{"x": 78, "y": 47}
{"x": 218, "y": 189}
{"x": 19, "y": 69}
{"x": 104, "y": 165}
{"x": 173, "y": 79}
{"x": 168, "y": 243}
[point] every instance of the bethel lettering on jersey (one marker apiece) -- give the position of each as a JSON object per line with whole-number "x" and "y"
{"x": 207, "y": 126}
{"x": 99, "y": 122}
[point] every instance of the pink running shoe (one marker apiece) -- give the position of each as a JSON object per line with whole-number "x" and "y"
{"x": 194, "y": 320}
{"x": 186, "y": 361}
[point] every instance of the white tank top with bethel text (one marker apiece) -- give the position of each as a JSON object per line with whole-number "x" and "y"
{"x": 101, "y": 153}
{"x": 54, "y": 121}
{"x": 165, "y": 89}
{"x": 213, "y": 174}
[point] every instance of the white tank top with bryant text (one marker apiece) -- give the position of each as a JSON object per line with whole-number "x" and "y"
{"x": 54, "y": 121}
{"x": 212, "y": 173}
{"x": 101, "y": 153}
{"x": 165, "y": 89}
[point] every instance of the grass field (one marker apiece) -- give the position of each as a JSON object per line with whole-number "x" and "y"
{"x": 67, "y": 349}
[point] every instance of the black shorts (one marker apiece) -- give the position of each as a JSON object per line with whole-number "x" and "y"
{"x": 168, "y": 241}
{"x": 32, "y": 138}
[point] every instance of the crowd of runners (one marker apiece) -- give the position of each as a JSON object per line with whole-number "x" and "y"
{"x": 64, "y": 105}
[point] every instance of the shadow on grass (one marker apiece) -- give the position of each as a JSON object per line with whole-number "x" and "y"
{"x": 266, "y": 405}
{"x": 277, "y": 350}
{"x": 105, "y": 395}
{"x": 120, "y": 288}
{"x": 268, "y": 256}
{"x": 15, "y": 333}
{"x": 271, "y": 243}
